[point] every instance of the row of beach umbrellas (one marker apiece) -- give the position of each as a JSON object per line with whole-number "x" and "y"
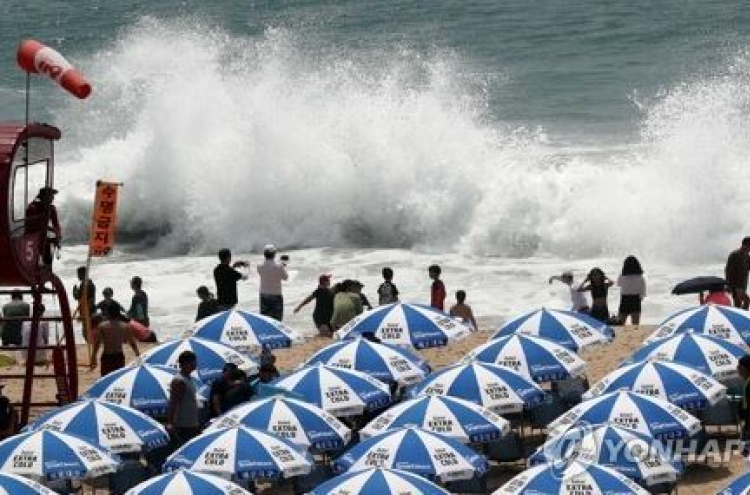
{"x": 352, "y": 376}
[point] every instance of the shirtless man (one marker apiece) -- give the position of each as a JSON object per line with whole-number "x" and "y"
{"x": 463, "y": 310}
{"x": 111, "y": 334}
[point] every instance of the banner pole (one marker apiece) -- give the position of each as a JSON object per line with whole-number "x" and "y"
{"x": 83, "y": 302}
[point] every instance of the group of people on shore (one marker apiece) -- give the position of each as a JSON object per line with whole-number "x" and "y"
{"x": 632, "y": 286}
{"x": 335, "y": 305}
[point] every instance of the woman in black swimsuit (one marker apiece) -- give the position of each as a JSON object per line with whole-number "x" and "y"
{"x": 598, "y": 284}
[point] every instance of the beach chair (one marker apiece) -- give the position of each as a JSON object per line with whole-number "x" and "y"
{"x": 474, "y": 485}
{"x": 723, "y": 413}
{"x": 508, "y": 449}
{"x": 319, "y": 474}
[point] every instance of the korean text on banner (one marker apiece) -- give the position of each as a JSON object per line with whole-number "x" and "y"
{"x": 104, "y": 220}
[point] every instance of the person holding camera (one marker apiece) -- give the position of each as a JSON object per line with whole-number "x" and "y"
{"x": 226, "y": 277}
{"x": 271, "y": 275}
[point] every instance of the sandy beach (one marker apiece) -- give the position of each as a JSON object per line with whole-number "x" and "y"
{"x": 700, "y": 479}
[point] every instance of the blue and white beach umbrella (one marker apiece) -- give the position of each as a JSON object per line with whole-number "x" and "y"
{"x": 740, "y": 485}
{"x": 379, "y": 481}
{"x": 676, "y": 383}
{"x": 724, "y": 322}
{"x": 144, "y": 387}
{"x": 211, "y": 356}
{"x": 538, "y": 358}
{"x": 642, "y": 413}
{"x": 187, "y": 483}
{"x": 406, "y": 324}
{"x": 385, "y": 362}
{"x": 303, "y": 424}
{"x": 245, "y": 330}
{"x": 455, "y": 418}
{"x": 54, "y": 455}
{"x": 338, "y": 391}
{"x": 417, "y": 451}
{"x": 710, "y": 355}
{"x": 574, "y": 478}
{"x": 13, "y": 484}
{"x": 495, "y": 387}
{"x": 573, "y": 330}
{"x": 118, "y": 428}
{"x": 242, "y": 453}
{"x": 637, "y": 456}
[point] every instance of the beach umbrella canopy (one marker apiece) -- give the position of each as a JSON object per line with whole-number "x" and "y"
{"x": 118, "y": 428}
{"x": 144, "y": 387}
{"x": 740, "y": 485}
{"x": 573, "y": 478}
{"x": 448, "y": 416}
{"x": 13, "y": 484}
{"x": 493, "y": 386}
{"x": 187, "y": 483}
{"x": 417, "y": 451}
{"x": 724, "y": 322}
{"x": 573, "y": 330}
{"x": 406, "y": 324}
{"x": 245, "y": 330}
{"x": 54, "y": 455}
{"x": 676, "y": 383}
{"x": 538, "y": 358}
{"x": 633, "y": 454}
{"x": 699, "y": 284}
{"x": 379, "y": 481}
{"x": 301, "y": 423}
{"x": 340, "y": 392}
{"x": 710, "y": 355}
{"x": 385, "y": 362}
{"x": 642, "y": 413}
{"x": 244, "y": 453}
{"x": 211, "y": 356}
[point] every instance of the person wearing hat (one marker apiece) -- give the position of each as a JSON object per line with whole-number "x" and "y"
{"x": 271, "y": 275}
{"x": 41, "y": 218}
{"x": 578, "y": 299}
{"x": 208, "y": 305}
{"x": 323, "y": 297}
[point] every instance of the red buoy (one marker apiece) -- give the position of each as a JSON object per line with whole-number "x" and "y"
{"x": 37, "y": 58}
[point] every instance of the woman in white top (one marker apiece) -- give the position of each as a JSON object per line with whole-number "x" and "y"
{"x": 632, "y": 291}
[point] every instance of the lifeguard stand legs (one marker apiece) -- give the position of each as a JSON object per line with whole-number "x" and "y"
{"x": 64, "y": 359}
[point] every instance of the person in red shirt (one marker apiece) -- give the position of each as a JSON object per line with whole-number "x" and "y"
{"x": 437, "y": 296}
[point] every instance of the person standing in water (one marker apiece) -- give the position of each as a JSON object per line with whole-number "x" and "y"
{"x": 387, "y": 291}
{"x": 463, "y": 310}
{"x": 226, "y": 277}
{"x": 271, "y": 275}
{"x": 578, "y": 300}
{"x": 139, "y": 309}
{"x": 632, "y": 291}
{"x": 437, "y": 293}
{"x": 208, "y": 305}
{"x": 323, "y": 297}
{"x": 598, "y": 284}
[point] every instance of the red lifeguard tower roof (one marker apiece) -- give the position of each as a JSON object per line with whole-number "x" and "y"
{"x": 13, "y": 133}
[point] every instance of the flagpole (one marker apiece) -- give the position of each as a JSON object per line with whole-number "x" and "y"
{"x": 83, "y": 301}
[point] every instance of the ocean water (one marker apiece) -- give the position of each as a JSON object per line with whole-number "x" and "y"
{"x": 506, "y": 141}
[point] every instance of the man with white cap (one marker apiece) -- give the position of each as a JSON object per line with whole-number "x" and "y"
{"x": 271, "y": 275}
{"x": 578, "y": 299}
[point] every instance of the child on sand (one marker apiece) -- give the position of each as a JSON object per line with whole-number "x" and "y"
{"x": 387, "y": 292}
{"x": 323, "y": 297}
{"x": 463, "y": 310}
{"x": 437, "y": 294}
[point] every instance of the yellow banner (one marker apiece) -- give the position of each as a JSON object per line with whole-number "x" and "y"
{"x": 104, "y": 219}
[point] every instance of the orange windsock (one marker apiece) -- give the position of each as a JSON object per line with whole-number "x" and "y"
{"x": 35, "y": 57}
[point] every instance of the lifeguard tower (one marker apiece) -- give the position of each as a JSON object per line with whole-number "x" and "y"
{"x": 27, "y": 164}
